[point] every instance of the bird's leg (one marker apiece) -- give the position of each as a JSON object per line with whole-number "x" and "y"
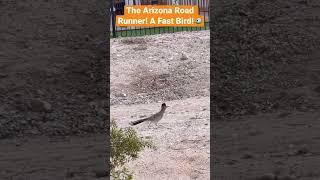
{"x": 149, "y": 124}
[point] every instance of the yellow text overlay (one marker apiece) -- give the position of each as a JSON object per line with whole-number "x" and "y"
{"x": 160, "y": 16}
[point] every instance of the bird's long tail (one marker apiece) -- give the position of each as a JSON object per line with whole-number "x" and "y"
{"x": 137, "y": 122}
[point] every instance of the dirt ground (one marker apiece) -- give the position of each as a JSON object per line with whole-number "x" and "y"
{"x": 66, "y": 157}
{"x": 265, "y": 57}
{"x": 170, "y": 68}
{"x": 280, "y": 144}
{"x": 181, "y": 137}
{"x": 50, "y": 87}
{"x": 50, "y": 65}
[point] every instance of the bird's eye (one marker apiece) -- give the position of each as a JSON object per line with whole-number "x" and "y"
{"x": 199, "y": 20}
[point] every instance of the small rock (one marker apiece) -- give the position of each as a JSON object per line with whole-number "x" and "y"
{"x": 34, "y": 132}
{"x": 195, "y": 175}
{"x": 101, "y": 173}
{"x": 39, "y": 92}
{"x": 2, "y": 75}
{"x": 183, "y": 57}
{"x": 302, "y": 151}
{"x": 93, "y": 104}
{"x": 242, "y": 13}
{"x": 23, "y": 122}
{"x": 268, "y": 176}
{"x": 18, "y": 94}
{"x": 232, "y": 162}
{"x": 254, "y": 133}
{"x": 148, "y": 137}
{"x": 80, "y": 96}
{"x": 87, "y": 37}
{"x": 38, "y": 105}
{"x": 317, "y": 89}
{"x": 70, "y": 174}
{"x": 67, "y": 110}
{"x": 287, "y": 177}
{"x": 303, "y": 2}
{"x": 121, "y": 95}
{"x": 102, "y": 112}
{"x": 283, "y": 114}
{"x": 248, "y": 155}
{"x": 2, "y": 110}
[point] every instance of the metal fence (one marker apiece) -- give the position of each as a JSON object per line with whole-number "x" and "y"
{"x": 118, "y": 9}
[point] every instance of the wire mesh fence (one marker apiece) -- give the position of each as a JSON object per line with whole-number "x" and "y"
{"x": 118, "y": 9}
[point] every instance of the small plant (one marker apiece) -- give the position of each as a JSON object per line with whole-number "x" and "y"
{"x": 125, "y": 147}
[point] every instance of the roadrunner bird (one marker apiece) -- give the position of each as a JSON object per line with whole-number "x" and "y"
{"x": 154, "y": 118}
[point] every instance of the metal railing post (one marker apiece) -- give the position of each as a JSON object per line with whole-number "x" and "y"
{"x": 113, "y": 20}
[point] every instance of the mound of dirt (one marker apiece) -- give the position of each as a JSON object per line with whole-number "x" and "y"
{"x": 153, "y": 68}
{"x": 52, "y": 68}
